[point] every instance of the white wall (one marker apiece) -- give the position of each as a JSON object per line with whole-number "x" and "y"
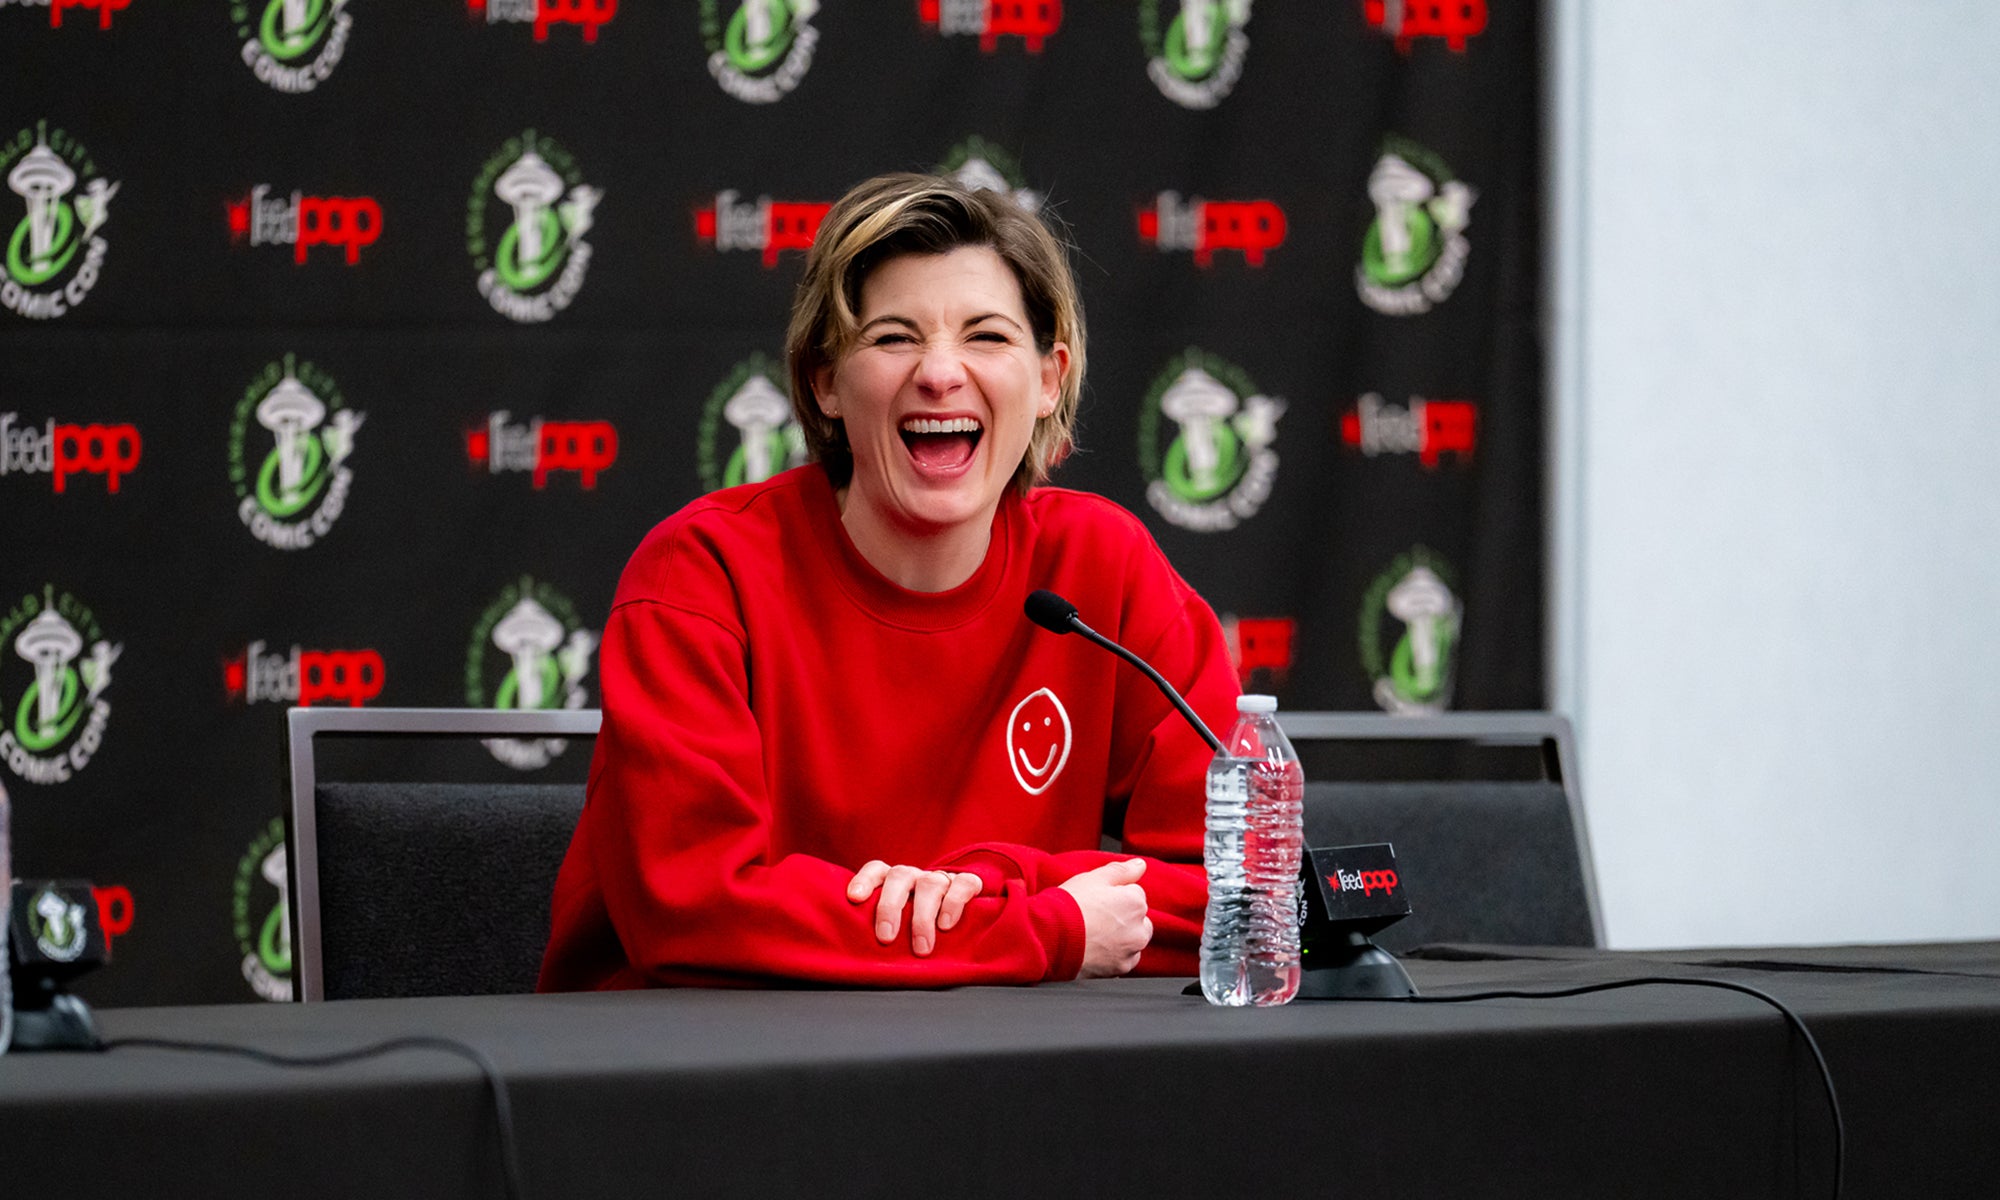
{"x": 1776, "y": 457}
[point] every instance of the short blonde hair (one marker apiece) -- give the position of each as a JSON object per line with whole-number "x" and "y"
{"x": 893, "y": 215}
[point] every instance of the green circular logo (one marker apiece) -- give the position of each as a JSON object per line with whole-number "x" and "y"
{"x": 1413, "y": 602}
{"x": 747, "y": 431}
{"x": 261, "y": 914}
{"x": 54, "y": 656}
{"x": 291, "y": 28}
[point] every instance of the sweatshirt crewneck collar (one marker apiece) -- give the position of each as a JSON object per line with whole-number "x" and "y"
{"x": 889, "y": 601}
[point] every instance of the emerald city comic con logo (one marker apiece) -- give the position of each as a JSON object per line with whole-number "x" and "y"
{"x": 60, "y": 668}
{"x": 984, "y": 167}
{"x": 762, "y": 49}
{"x": 262, "y": 918}
{"x": 292, "y": 45}
{"x": 748, "y": 433}
{"x": 531, "y": 267}
{"x": 543, "y": 656}
{"x": 1195, "y": 55}
{"x": 1413, "y": 675}
{"x": 1210, "y": 465}
{"x": 291, "y": 493}
{"x": 54, "y": 255}
{"x": 60, "y": 926}
{"x": 1414, "y": 252}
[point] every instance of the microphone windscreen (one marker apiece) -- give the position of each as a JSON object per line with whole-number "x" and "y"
{"x": 1050, "y": 611}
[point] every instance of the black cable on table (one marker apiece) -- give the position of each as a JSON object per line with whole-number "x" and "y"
{"x": 503, "y": 1107}
{"x": 1825, "y": 1075}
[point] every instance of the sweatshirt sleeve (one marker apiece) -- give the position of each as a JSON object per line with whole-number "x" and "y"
{"x": 677, "y": 825}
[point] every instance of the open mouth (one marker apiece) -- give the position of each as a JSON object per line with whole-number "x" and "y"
{"x": 941, "y": 445}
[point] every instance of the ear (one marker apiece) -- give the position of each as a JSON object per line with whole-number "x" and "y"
{"x": 823, "y": 393}
{"x": 1055, "y": 368}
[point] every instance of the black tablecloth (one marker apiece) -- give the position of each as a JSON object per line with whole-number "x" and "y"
{"x": 1109, "y": 1088}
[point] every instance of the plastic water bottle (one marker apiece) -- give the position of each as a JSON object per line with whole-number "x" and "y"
{"x": 1256, "y": 832}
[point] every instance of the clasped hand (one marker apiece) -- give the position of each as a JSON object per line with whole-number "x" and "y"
{"x": 1115, "y": 925}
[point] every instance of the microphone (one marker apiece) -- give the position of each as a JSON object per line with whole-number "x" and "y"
{"x": 1058, "y": 615}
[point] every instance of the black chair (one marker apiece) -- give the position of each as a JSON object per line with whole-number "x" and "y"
{"x": 1482, "y": 809}
{"x": 421, "y": 888}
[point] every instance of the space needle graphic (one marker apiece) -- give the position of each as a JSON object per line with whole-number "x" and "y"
{"x": 291, "y": 412}
{"x": 1201, "y": 404}
{"x": 758, "y": 410}
{"x": 528, "y": 635}
{"x": 41, "y": 179}
{"x": 50, "y": 644}
{"x": 530, "y": 186}
{"x": 1425, "y": 606}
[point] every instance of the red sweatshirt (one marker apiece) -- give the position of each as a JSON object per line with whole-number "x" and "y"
{"x": 777, "y": 713}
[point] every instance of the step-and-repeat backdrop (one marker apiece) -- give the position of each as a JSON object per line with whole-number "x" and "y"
{"x": 348, "y": 347}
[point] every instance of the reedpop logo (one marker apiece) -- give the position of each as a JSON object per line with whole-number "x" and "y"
{"x": 587, "y": 15}
{"x": 304, "y": 677}
{"x": 45, "y": 168}
{"x": 768, "y": 226}
{"x": 346, "y": 223}
{"x": 1429, "y": 429}
{"x": 1250, "y": 227}
{"x": 103, "y": 8}
{"x": 292, "y": 45}
{"x": 536, "y": 266}
{"x": 1407, "y": 20}
{"x": 1033, "y": 21}
{"x": 61, "y": 449}
{"x": 543, "y": 447}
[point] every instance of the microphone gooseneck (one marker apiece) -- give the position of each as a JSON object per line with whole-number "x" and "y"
{"x": 1058, "y": 615}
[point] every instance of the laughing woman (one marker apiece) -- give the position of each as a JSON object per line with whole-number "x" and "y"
{"x": 833, "y": 749}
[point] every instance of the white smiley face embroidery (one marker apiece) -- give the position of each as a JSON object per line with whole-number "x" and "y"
{"x": 1038, "y": 737}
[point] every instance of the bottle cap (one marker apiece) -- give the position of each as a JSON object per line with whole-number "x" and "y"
{"x": 1256, "y": 704}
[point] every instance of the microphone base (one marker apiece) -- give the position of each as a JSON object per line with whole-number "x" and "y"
{"x": 1360, "y": 970}
{"x": 66, "y": 1024}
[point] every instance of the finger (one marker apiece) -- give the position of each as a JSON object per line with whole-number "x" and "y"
{"x": 964, "y": 886}
{"x": 924, "y": 901}
{"x": 889, "y": 909}
{"x": 1145, "y": 932}
{"x": 866, "y": 880}
{"x": 1124, "y": 870}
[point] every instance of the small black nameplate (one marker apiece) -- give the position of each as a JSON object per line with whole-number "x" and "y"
{"x": 1354, "y": 887}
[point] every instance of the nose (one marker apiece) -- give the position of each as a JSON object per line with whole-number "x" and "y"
{"x": 940, "y": 372}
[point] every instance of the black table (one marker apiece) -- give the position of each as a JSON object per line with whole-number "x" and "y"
{"x": 1109, "y": 1088}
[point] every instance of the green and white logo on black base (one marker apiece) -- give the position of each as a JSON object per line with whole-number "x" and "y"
{"x": 261, "y": 914}
{"x": 747, "y": 430}
{"x": 55, "y": 666}
{"x": 292, "y": 45}
{"x": 289, "y": 441}
{"x": 1410, "y": 621}
{"x": 1206, "y": 443}
{"x": 525, "y": 226}
{"x": 54, "y": 253}
{"x": 529, "y": 650}
{"x": 1414, "y": 253}
{"x": 759, "y": 50}
{"x": 1194, "y": 48}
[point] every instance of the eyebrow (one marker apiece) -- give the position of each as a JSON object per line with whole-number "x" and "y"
{"x": 905, "y": 322}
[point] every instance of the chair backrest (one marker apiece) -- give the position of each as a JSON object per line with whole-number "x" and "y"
{"x": 423, "y": 888}
{"x": 1484, "y": 813}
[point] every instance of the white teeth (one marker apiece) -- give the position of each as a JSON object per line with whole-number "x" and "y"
{"x": 932, "y": 425}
